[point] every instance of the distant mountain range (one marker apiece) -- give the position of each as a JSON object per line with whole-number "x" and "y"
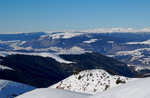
{"x": 7, "y": 41}
{"x": 40, "y": 59}
{"x": 121, "y": 46}
{"x": 129, "y": 47}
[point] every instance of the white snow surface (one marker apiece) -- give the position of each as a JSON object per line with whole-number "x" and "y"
{"x": 111, "y": 42}
{"x": 147, "y": 42}
{"x": 9, "y": 88}
{"x": 136, "y": 54}
{"x": 73, "y": 50}
{"x": 90, "y": 81}
{"x": 64, "y": 35}
{"x": 139, "y": 68}
{"x": 138, "y": 88}
{"x": 2, "y": 67}
{"x": 90, "y": 41}
{"x": 16, "y": 46}
{"x": 53, "y": 93}
{"x": 43, "y": 54}
{"x": 6, "y": 42}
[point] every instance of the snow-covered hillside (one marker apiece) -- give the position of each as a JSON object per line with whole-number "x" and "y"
{"x": 9, "y": 89}
{"x": 90, "y": 81}
{"x": 147, "y": 42}
{"x": 52, "y": 93}
{"x": 63, "y": 35}
{"x": 135, "y": 57}
{"x": 109, "y": 41}
{"x": 139, "y": 88}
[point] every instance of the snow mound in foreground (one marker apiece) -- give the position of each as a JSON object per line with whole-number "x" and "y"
{"x": 10, "y": 89}
{"x": 91, "y": 81}
{"x": 52, "y": 93}
{"x": 139, "y": 88}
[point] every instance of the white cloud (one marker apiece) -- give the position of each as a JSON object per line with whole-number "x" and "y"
{"x": 123, "y": 30}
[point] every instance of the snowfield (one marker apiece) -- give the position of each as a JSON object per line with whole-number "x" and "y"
{"x": 9, "y": 89}
{"x": 64, "y": 35}
{"x": 91, "y": 81}
{"x": 138, "y": 88}
{"x": 73, "y": 50}
{"x": 147, "y": 42}
{"x": 52, "y": 93}
{"x": 90, "y": 41}
{"x": 138, "y": 55}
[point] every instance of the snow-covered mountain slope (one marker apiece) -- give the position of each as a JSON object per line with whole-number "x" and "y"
{"x": 9, "y": 89}
{"x": 138, "y": 88}
{"x": 135, "y": 57}
{"x": 105, "y": 43}
{"x": 73, "y": 50}
{"x": 147, "y": 42}
{"x": 11, "y": 41}
{"x": 90, "y": 81}
{"x": 63, "y": 35}
{"x": 139, "y": 68}
{"x": 52, "y": 93}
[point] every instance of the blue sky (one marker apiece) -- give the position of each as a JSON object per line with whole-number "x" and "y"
{"x": 52, "y": 15}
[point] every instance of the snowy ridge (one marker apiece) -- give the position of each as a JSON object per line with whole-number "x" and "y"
{"x": 73, "y": 50}
{"x": 16, "y": 46}
{"x": 90, "y": 81}
{"x": 136, "y": 52}
{"x": 9, "y": 89}
{"x": 70, "y": 34}
{"x": 137, "y": 55}
{"x": 139, "y": 68}
{"x": 64, "y": 35}
{"x": 12, "y": 41}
